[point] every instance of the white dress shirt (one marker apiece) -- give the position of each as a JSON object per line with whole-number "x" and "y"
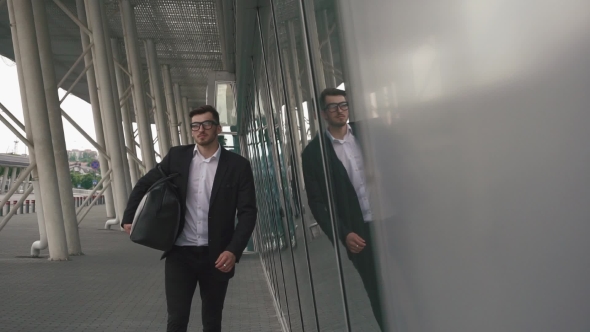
{"x": 349, "y": 153}
{"x": 200, "y": 182}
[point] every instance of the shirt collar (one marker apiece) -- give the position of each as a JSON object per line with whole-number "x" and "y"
{"x": 348, "y": 134}
{"x": 214, "y": 156}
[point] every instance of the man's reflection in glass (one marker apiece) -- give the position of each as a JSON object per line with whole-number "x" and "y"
{"x": 350, "y": 191}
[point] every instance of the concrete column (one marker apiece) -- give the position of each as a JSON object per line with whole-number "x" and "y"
{"x": 4, "y": 179}
{"x": 187, "y": 121}
{"x": 328, "y": 45}
{"x": 95, "y": 103}
{"x": 143, "y": 123}
{"x": 116, "y": 98}
{"x": 181, "y": 114}
{"x": 107, "y": 101}
{"x": 57, "y": 131}
{"x": 315, "y": 70}
{"x": 41, "y": 244}
{"x": 167, "y": 78}
{"x": 98, "y": 87}
{"x": 12, "y": 177}
{"x": 297, "y": 87}
{"x": 29, "y": 179}
{"x": 39, "y": 124}
{"x": 127, "y": 127}
{"x": 156, "y": 81}
{"x": 153, "y": 114}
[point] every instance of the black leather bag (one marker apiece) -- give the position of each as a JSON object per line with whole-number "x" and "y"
{"x": 157, "y": 219}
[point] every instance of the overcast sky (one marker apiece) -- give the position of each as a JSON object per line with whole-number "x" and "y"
{"x": 78, "y": 109}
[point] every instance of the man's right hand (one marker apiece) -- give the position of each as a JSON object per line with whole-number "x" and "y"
{"x": 127, "y": 228}
{"x": 355, "y": 243}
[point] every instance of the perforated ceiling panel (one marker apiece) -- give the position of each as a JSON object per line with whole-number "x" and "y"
{"x": 185, "y": 33}
{"x": 186, "y": 37}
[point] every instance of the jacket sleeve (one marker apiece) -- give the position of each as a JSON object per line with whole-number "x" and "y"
{"x": 317, "y": 200}
{"x": 141, "y": 188}
{"x": 246, "y": 212}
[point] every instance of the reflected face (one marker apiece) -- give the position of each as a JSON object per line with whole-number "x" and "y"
{"x": 334, "y": 114}
{"x": 205, "y": 129}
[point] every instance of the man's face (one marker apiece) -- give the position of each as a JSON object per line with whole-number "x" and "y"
{"x": 334, "y": 115}
{"x": 202, "y": 135}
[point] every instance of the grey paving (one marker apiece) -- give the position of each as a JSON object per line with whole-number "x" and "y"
{"x": 115, "y": 286}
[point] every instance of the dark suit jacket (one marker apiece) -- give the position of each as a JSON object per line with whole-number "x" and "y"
{"x": 347, "y": 207}
{"x": 233, "y": 190}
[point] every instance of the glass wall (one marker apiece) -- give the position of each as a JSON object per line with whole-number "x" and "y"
{"x": 317, "y": 283}
{"x": 421, "y": 166}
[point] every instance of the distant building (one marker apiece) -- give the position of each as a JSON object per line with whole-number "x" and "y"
{"x": 82, "y": 154}
{"x": 81, "y": 167}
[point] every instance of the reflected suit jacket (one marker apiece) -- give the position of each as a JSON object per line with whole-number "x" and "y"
{"x": 233, "y": 191}
{"x": 347, "y": 207}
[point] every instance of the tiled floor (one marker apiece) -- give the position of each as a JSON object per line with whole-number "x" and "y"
{"x": 115, "y": 286}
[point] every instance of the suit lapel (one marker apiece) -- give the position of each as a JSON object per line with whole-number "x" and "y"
{"x": 222, "y": 167}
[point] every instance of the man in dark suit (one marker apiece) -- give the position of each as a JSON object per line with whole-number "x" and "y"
{"x": 352, "y": 210}
{"x": 214, "y": 184}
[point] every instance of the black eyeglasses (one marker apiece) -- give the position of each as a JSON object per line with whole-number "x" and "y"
{"x": 334, "y": 107}
{"x": 206, "y": 125}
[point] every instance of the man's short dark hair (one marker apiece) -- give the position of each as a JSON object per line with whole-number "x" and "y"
{"x": 205, "y": 109}
{"x": 330, "y": 92}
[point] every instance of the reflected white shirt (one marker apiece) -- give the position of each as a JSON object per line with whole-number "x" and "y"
{"x": 200, "y": 182}
{"x": 349, "y": 153}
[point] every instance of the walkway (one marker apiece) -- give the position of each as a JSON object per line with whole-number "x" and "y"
{"x": 116, "y": 286}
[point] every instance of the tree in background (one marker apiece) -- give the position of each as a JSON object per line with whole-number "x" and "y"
{"x": 84, "y": 180}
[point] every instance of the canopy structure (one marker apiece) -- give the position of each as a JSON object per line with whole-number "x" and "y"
{"x": 186, "y": 34}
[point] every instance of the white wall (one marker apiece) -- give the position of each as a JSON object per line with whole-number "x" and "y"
{"x": 481, "y": 156}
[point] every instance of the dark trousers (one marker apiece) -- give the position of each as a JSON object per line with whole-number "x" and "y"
{"x": 364, "y": 262}
{"x": 185, "y": 267}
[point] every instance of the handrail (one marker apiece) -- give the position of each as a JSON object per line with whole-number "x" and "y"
{"x": 18, "y": 205}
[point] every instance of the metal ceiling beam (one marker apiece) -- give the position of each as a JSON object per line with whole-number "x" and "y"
{"x": 134, "y": 62}
{"x": 96, "y": 115}
{"x": 75, "y": 82}
{"x": 170, "y": 105}
{"x": 86, "y": 50}
{"x": 73, "y": 17}
{"x": 109, "y": 108}
{"x": 12, "y": 117}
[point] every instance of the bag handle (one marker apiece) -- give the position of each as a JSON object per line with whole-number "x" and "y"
{"x": 164, "y": 177}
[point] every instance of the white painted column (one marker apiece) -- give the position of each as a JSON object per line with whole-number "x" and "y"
{"x": 3, "y": 179}
{"x": 181, "y": 114}
{"x": 95, "y": 104}
{"x": 152, "y": 101}
{"x": 127, "y": 127}
{"x": 41, "y": 244}
{"x": 39, "y": 124}
{"x": 116, "y": 97}
{"x": 170, "y": 105}
{"x": 57, "y": 131}
{"x": 187, "y": 121}
{"x": 156, "y": 81}
{"x": 108, "y": 103}
{"x": 148, "y": 155}
{"x": 12, "y": 177}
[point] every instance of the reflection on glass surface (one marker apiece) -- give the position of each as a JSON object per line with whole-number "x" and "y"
{"x": 352, "y": 210}
{"x": 314, "y": 288}
{"x": 225, "y": 103}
